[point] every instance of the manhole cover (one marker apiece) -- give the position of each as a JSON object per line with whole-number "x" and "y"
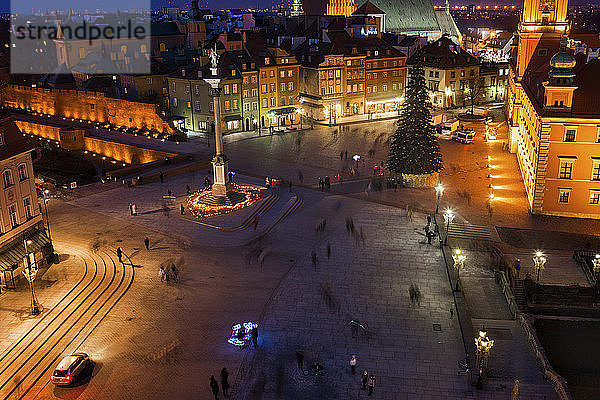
{"x": 437, "y": 327}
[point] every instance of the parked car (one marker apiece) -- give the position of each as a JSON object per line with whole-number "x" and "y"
{"x": 463, "y": 136}
{"x": 70, "y": 368}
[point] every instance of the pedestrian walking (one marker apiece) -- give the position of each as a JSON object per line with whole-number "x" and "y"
{"x": 130, "y": 208}
{"x": 187, "y": 189}
{"x": 300, "y": 176}
{"x": 346, "y": 155}
{"x": 290, "y": 186}
{"x": 254, "y": 333}
{"x": 321, "y": 183}
{"x": 430, "y": 236}
{"x": 147, "y": 243}
{"x": 353, "y": 364}
{"x": 175, "y": 273}
{"x": 169, "y": 192}
{"x": 225, "y": 382}
{"x": 451, "y": 310}
{"x": 255, "y": 222}
{"x": 300, "y": 359}
{"x": 206, "y": 181}
{"x": 162, "y": 177}
{"x": 412, "y": 293}
{"x": 214, "y": 386}
{"x": 120, "y": 254}
{"x": 182, "y": 209}
{"x": 371, "y": 384}
{"x": 364, "y": 379}
{"x": 133, "y": 209}
{"x": 161, "y": 273}
{"x": 313, "y": 255}
{"x": 341, "y": 155}
{"x": 328, "y": 250}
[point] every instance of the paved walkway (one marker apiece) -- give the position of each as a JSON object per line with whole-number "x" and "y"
{"x": 412, "y": 349}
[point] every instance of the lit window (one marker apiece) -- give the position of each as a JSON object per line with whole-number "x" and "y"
{"x": 234, "y": 88}
{"x": 570, "y": 135}
{"x": 226, "y": 89}
{"x": 564, "y": 195}
{"x": 566, "y": 169}
{"x": 596, "y": 170}
{"x": 594, "y": 196}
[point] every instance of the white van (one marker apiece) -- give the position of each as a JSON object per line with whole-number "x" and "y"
{"x": 463, "y": 136}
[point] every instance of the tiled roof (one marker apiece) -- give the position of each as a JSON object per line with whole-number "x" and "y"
{"x": 14, "y": 141}
{"x": 407, "y": 15}
{"x": 444, "y": 53}
{"x": 367, "y": 9}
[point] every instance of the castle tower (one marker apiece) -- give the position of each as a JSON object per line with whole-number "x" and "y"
{"x": 558, "y": 90}
{"x": 196, "y": 27}
{"x": 540, "y": 18}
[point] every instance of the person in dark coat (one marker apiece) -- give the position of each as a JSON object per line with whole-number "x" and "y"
{"x": 182, "y": 209}
{"x": 300, "y": 359}
{"x": 214, "y": 386}
{"x": 147, "y": 243}
{"x": 225, "y": 382}
{"x": 120, "y": 254}
{"x": 254, "y": 336}
{"x": 364, "y": 379}
{"x": 371, "y": 384}
{"x": 162, "y": 177}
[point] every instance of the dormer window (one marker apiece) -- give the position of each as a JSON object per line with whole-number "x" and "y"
{"x": 266, "y": 60}
{"x": 233, "y": 72}
{"x": 183, "y": 72}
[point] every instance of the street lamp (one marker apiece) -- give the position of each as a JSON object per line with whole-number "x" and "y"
{"x": 459, "y": 263}
{"x": 439, "y": 190}
{"x": 448, "y": 218}
{"x": 30, "y": 273}
{"x": 539, "y": 260}
{"x": 46, "y": 200}
{"x": 484, "y": 345}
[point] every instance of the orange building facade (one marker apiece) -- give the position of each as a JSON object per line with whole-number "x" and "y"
{"x": 341, "y": 7}
{"x": 554, "y": 115}
{"x": 86, "y": 106}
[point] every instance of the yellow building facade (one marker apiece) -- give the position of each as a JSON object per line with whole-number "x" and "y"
{"x": 554, "y": 121}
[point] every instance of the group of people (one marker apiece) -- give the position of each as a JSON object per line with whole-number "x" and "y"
{"x": 415, "y": 294}
{"x": 214, "y": 385}
{"x": 168, "y": 274}
{"x": 324, "y": 183}
{"x": 430, "y": 234}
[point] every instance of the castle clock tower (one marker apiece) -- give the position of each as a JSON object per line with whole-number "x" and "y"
{"x": 541, "y": 18}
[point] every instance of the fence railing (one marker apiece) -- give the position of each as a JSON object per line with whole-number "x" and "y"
{"x": 558, "y": 382}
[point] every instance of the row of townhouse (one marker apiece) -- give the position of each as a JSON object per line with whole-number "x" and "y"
{"x": 259, "y": 89}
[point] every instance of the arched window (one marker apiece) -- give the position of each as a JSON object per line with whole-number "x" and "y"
{"x": 7, "y": 178}
{"x": 143, "y": 48}
{"x": 81, "y": 52}
{"x": 162, "y": 47}
{"x": 123, "y": 49}
{"x": 22, "y": 169}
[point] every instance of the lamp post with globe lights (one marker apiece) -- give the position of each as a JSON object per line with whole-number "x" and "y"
{"x": 30, "y": 273}
{"x": 483, "y": 345}
{"x": 459, "y": 263}
{"x": 539, "y": 260}
{"x": 439, "y": 190}
{"x": 448, "y": 218}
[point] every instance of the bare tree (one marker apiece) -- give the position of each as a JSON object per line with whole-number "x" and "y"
{"x": 473, "y": 91}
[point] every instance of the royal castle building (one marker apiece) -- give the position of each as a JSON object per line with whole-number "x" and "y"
{"x": 553, "y": 111}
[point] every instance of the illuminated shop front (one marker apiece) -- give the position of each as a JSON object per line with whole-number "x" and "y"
{"x": 383, "y": 106}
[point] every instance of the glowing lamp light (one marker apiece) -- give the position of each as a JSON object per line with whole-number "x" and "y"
{"x": 241, "y": 334}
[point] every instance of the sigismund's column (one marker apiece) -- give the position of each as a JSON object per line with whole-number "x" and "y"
{"x": 221, "y": 184}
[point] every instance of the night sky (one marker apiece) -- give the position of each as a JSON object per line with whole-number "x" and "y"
{"x": 216, "y": 4}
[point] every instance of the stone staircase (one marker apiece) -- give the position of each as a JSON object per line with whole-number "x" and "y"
{"x": 520, "y": 296}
